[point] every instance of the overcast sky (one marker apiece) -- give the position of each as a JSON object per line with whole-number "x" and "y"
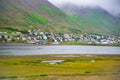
{"x": 112, "y": 6}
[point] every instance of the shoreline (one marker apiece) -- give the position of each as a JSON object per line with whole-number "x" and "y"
{"x": 63, "y": 56}
{"x": 21, "y": 44}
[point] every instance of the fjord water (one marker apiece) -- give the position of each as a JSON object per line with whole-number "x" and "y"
{"x": 58, "y": 49}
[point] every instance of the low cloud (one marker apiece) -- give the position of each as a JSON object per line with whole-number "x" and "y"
{"x": 112, "y": 6}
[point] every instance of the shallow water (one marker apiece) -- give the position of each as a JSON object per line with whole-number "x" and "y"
{"x": 58, "y": 49}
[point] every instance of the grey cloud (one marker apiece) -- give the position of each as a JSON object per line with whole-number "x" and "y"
{"x": 112, "y": 6}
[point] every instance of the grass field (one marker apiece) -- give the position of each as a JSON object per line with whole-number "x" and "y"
{"x": 75, "y": 67}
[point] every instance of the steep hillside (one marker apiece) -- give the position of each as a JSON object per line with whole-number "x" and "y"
{"x": 19, "y": 15}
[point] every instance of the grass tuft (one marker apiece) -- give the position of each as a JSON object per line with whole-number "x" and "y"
{"x": 43, "y": 74}
{"x": 4, "y": 77}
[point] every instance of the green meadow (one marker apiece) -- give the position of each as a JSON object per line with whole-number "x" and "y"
{"x": 30, "y": 67}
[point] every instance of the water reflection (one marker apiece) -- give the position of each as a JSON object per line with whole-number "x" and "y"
{"x": 24, "y": 50}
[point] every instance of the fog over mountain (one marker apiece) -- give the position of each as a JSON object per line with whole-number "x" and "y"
{"x": 79, "y": 17}
{"x": 112, "y": 6}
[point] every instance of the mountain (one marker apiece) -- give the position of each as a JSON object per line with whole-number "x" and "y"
{"x": 93, "y": 19}
{"x": 21, "y": 15}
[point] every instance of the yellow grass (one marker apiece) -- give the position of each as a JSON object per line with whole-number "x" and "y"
{"x": 29, "y": 67}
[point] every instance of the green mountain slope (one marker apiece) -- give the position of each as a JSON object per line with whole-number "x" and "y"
{"x": 21, "y": 15}
{"x": 93, "y": 19}
{"x": 97, "y": 24}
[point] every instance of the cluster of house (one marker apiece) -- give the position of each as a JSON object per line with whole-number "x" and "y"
{"x": 38, "y": 37}
{"x": 99, "y": 39}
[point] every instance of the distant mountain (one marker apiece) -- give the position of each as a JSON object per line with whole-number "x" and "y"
{"x": 93, "y": 19}
{"x": 21, "y": 15}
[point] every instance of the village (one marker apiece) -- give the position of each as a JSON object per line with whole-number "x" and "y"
{"x": 39, "y": 37}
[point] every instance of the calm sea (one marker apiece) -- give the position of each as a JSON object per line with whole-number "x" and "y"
{"x": 58, "y": 49}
